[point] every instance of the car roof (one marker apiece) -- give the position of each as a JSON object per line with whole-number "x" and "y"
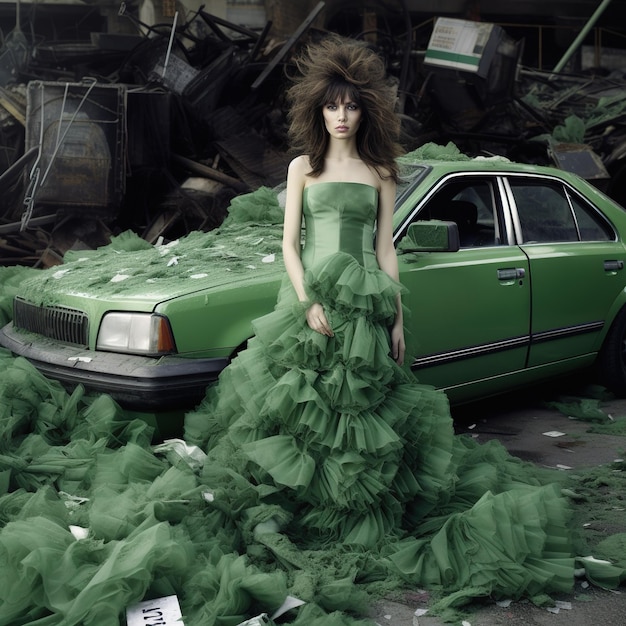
{"x": 493, "y": 164}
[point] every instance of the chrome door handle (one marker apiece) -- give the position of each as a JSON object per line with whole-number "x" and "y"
{"x": 613, "y": 266}
{"x": 512, "y": 273}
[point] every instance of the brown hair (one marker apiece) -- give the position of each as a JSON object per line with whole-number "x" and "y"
{"x": 334, "y": 69}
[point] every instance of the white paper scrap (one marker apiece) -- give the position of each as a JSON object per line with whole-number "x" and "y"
{"x": 164, "y": 249}
{"x": 270, "y": 258}
{"x": 192, "y": 455}
{"x": 554, "y": 433}
{"x": 592, "y": 559}
{"x": 163, "y": 611}
{"x": 289, "y": 603}
{"x": 79, "y": 532}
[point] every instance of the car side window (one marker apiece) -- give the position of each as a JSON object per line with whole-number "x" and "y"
{"x": 471, "y": 203}
{"x": 549, "y": 213}
{"x": 591, "y": 226}
{"x": 544, "y": 212}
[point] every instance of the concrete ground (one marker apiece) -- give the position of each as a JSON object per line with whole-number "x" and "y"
{"x": 520, "y": 421}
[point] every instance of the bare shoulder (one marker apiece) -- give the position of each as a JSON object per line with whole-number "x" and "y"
{"x": 299, "y": 166}
{"x": 387, "y": 182}
{"x": 382, "y": 178}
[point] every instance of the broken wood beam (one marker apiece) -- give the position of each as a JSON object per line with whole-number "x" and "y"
{"x": 209, "y": 172}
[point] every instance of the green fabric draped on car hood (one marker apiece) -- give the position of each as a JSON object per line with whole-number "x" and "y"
{"x": 247, "y": 246}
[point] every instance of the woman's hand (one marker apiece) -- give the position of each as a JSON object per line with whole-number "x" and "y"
{"x": 398, "y": 345}
{"x": 316, "y": 319}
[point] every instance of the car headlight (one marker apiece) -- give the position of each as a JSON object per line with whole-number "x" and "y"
{"x": 136, "y": 333}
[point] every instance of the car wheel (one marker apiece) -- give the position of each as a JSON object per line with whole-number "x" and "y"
{"x": 612, "y": 357}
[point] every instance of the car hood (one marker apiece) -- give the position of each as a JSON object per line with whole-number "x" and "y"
{"x": 132, "y": 270}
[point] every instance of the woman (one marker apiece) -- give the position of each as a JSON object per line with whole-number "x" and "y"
{"x": 316, "y": 405}
{"x": 343, "y": 152}
{"x": 337, "y": 443}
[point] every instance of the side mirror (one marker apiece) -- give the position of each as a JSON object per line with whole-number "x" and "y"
{"x": 430, "y": 236}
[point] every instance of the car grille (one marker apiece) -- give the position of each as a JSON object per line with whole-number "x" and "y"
{"x": 55, "y": 322}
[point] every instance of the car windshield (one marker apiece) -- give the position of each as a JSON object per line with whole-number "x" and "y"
{"x": 410, "y": 175}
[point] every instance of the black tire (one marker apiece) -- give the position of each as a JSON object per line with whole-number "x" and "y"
{"x": 612, "y": 357}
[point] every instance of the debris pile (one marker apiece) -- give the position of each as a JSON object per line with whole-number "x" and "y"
{"x": 157, "y": 131}
{"x": 153, "y": 133}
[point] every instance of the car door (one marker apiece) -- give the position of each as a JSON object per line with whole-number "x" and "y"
{"x": 469, "y": 310}
{"x": 576, "y": 268}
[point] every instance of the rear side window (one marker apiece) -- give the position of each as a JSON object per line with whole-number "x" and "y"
{"x": 549, "y": 214}
{"x": 592, "y": 226}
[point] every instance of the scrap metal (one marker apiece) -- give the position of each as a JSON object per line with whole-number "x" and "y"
{"x": 203, "y": 99}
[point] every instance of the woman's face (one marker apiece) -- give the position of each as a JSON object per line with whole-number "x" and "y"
{"x": 342, "y": 118}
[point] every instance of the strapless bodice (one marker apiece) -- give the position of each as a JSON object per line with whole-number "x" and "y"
{"x": 339, "y": 217}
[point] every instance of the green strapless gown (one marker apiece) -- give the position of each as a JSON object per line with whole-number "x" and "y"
{"x": 331, "y": 474}
{"x": 341, "y": 446}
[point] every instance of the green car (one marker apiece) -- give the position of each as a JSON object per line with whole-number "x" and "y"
{"x": 515, "y": 274}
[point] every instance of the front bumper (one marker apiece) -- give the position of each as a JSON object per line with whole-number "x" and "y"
{"x": 135, "y": 382}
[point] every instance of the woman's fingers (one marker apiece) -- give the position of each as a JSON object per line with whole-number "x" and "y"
{"x": 316, "y": 318}
{"x": 324, "y": 326}
{"x": 398, "y": 345}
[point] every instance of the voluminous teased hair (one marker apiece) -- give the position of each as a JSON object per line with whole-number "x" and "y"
{"x": 337, "y": 69}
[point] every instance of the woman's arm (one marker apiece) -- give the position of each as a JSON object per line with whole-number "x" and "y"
{"x": 292, "y": 225}
{"x": 388, "y": 260}
{"x": 292, "y": 233}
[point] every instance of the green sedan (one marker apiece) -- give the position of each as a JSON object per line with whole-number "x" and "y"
{"x": 515, "y": 274}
